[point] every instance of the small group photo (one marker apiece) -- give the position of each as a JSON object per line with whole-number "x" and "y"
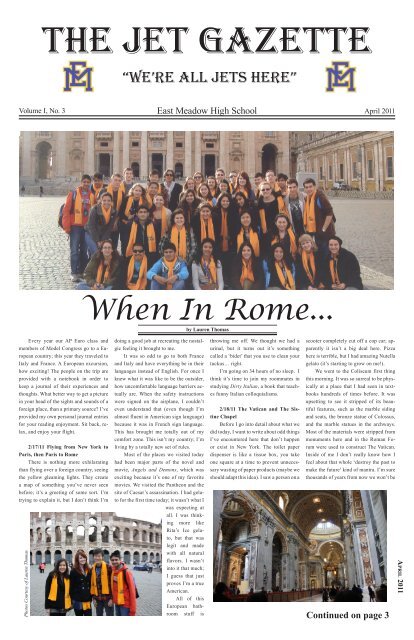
{"x": 94, "y": 564}
{"x": 300, "y": 546}
{"x": 202, "y": 210}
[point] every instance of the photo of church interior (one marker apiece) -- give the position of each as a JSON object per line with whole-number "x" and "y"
{"x": 283, "y": 546}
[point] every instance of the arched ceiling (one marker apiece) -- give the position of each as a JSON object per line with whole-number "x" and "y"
{"x": 306, "y": 509}
{"x": 331, "y": 552}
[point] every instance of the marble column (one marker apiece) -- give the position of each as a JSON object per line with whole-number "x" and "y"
{"x": 381, "y": 165}
{"x": 27, "y": 173}
{"x": 251, "y": 152}
{"x": 59, "y": 167}
{"x": 144, "y": 155}
{"x": 363, "y": 170}
{"x": 90, "y": 154}
{"x": 350, "y": 558}
{"x": 115, "y": 154}
{"x": 224, "y": 151}
{"x": 197, "y": 151}
{"x": 188, "y": 155}
{"x": 125, "y": 150}
{"x": 170, "y": 151}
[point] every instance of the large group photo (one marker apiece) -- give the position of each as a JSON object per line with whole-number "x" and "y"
{"x": 206, "y": 210}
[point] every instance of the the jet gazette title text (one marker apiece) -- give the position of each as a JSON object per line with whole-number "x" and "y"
{"x": 211, "y": 40}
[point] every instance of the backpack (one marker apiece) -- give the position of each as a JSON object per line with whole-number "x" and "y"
{"x": 136, "y": 590}
{"x": 60, "y": 215}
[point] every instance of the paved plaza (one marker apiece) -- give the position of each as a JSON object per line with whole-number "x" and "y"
{"x": 366, "y": 227}
{"x": 149, "y": 587}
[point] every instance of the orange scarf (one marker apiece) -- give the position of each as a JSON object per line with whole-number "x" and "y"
{"x": 104, "y": 580}
{"x": 209, "y": 269}
{"x": 247, "y": 272}
{"x": 120, "y": 192}
{"x": 224, "y": 231}
{"x": 285, "y": 275}
{"x": 80, "y": 219}
{"x": 309, "y": 217}
{"x": 141, "y": 283}
{"x": 129, "y": 204}
{"x": 106, "y": 214}
{"x": 253, "y": 239}
{"x": 243, "y": 191}
{"x": 292, "y": 240}
{"x": 333, "y": 268}
{"x": 150, "y": 232}
{"x": 210, "y": 229}
{"x": 170, "y": 266}
{"x": 179, "y": 239}
{"x": 308, "y": 261}
{"x": 164, "y": 221}
{"x": 281, "y": 205}
{"x": 104, "y": 271}
{"x": 54, "y": 591}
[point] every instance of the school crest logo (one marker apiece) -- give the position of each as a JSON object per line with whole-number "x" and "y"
{"x": 78, "y": 75}
{"x": 340, "y": 74}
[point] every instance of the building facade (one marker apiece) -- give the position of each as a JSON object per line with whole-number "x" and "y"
{"x": 54, "y": 155}
{"x": 56, "y": 535}
{"x": 363, "y": 160}
{"x": 299, "y": 540}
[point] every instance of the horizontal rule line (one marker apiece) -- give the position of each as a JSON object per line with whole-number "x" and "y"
{"x": 205, "y": 117}
{"x": 206, "y": 333}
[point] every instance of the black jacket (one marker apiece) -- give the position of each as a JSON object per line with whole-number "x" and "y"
{"x": 349, "y": 271}
{"x": 59, "y": 603}
{"x": 80, "y": 586}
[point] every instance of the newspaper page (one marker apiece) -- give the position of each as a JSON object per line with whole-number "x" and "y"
{"x": 206, "y": 327}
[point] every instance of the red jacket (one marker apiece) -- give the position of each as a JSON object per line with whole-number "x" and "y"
{"x": 74, "y": 209}
{"x": 129, "y": 588}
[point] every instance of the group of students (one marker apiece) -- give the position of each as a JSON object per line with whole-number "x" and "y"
{"x": 109, "y": 588}
{"x": 208, "y": 234}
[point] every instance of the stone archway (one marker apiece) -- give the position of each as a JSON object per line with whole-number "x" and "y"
{"x": 269, "y": 156}
{"x": 43, "y": 160}
{"x": 278, "y": 547}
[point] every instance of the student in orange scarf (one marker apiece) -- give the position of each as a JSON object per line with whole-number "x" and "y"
{"x": 247, "y": 271}
{"x": 227, "y": 225}
{"x": 143, "y": 230}
{"x": 101, "y": 223}
{"x": 101, "y": 584}
{"x": 136, "y": 197}
{"x": 282, "y": 233}
{"x": 206, "y": 269}
{"x": 74, "y": 218}
{"x": 103, "y": 271}
{"x": 170, "y": 272}
{"x": 181, "y": 235}
{"x": 308, "y": 264}
{"x": 243, "y": 185}
{"x": 204, "y": 224}
{"x": 57, "y": 596}
{"x": 136, "y": 270}
{"x": 204, "y": 193}
{"x": 80, "y": 585}
{"x": 248, "y": 233}
{"x": 160, "y": 215}
{"x": 188, "y": 203}
{"x": 341, "y": 268}
{"x": 279, "y": 271}
{"x": 123, "y": 587}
